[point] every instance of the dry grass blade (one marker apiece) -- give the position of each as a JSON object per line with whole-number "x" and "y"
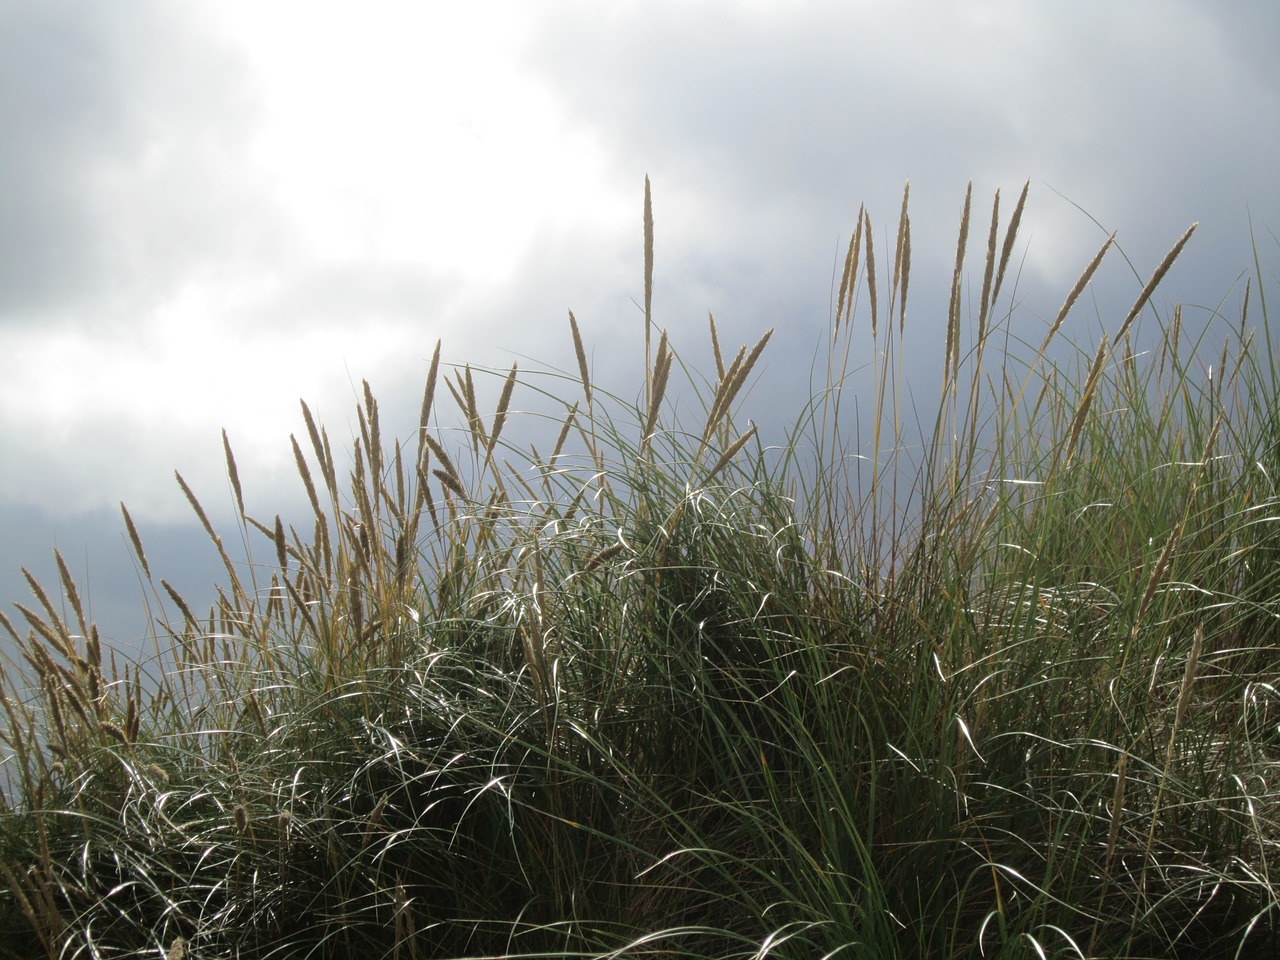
{"x": 564, "y": 435}
{"x": 135, "y": 540}
{"x": 434, "y": 446}
{"x": 733, "y": 384}
{"x": 715, "y": 348}
{"x": 1184, "y": 692}
{"x": 320, "y": 444}
{"x": 500, "y": 416}
{"x": 1154, "y": 282}
{"x": 744, "y": 371}
{"x": 1074, "y": 295}
{"x": 989, "y": 271}
{"x": 373, "y": 444}
{"x": 58, "y": 633}
{"x": 72, "y": 593}
{"x": 360, "y": 488}
{"x": 282, "y": 551}
{"x": 181, "y": 604}
{"x": 48, "y": 633}
{"x": 582, "y": 358}
{"x": 397, "y": 504}
{"x": 1086, "y": 399}
{"x": 232, "y": 473}
{"x": 844, "y": 300}
{"x": 661, "y": 372}
{"x": 731, "y": 452}
{"x": 458, "y": 390}
{"x": 478, "y": 439}
{"x": 428, "y": 396}
{"x": 305, "y": 473}
{"x": 871, "y": 275}
{"x": 1010, "y": 235}
{"x": 601, "y": 557}
{"x": 902, "y": 236}
{"x": 8, "y": 628}
{"x": 450, "y": 483}
{"x": 1157, "y": 574}
{"x": 724, "y": 388}
{"x": 906, "y": 278}
{"x": 951, "y": 363}
{"x": 648, "y": 288}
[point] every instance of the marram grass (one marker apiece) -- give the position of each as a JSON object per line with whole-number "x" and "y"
{"x": 664, "y": 691}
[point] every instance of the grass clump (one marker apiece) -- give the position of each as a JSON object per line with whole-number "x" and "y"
{"x": 1006, "y": 688}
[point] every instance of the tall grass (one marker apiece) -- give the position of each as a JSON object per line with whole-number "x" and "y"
{"x": 663, "y": 691}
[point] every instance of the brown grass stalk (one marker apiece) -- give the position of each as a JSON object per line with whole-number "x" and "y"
{"x": 581, "y": 354}
{"x": 648, "y": 290}
{"x": 136, "y": 541}
{"x": 1154, "y": 282}
{"x": 232, "y": 473}
{"x": 730, "y": 452}
{"x": 951, "y": 363}
{"x": 871, "y": 275}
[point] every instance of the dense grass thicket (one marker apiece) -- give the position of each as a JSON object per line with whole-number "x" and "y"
{"x": 1002, "y": 686}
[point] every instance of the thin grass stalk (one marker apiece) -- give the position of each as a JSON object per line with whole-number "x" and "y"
{"x": 1086, "y": 400}
{"x": 715, "y": 348}
{"x": 843, "y": 294}
{"x": 871, "y": 276}
{"x": 428, "y": 398}
{"x": 500, "y": 416}
{"x": 1073, "y": 296}
{"x": 985, "y": 307}
{"x": 1154, "y": 282}
{"x": 583, "y": 374}
{"x": 1010, "y": 236}
{"x": 72, "y": 594}
{"x": 648, "y": 291}
{"x": 373, "y": 441}
{"x": 950, "y": 371}
{"x": 730, "y": 387}
{"x": 730, "y": 453}
{"x": 658, "y": 381}
{"x": 895, "y": 286}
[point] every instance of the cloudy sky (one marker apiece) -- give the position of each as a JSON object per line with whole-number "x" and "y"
{"x": 210, "y": 210}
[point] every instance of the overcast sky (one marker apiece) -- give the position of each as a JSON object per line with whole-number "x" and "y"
{"x": 210, "y": 210}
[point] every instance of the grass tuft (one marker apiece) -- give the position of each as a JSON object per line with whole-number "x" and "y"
{"x": 997, "y": 686}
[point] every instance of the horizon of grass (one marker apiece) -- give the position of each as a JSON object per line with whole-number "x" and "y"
{"x": 667, "y": 692}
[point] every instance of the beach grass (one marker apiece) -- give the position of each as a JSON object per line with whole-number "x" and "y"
{"x": 998, "y": 679}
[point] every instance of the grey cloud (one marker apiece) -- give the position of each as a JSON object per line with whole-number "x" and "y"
{"x": 1151, "y": 113}
{"x": 121, "y": 151}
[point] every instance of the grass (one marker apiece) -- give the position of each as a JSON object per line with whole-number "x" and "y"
{"x": 999, "y": 686}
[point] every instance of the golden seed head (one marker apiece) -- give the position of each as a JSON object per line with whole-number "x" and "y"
{"x": 604, "y": 556}
{"x": 114, "y": 730}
